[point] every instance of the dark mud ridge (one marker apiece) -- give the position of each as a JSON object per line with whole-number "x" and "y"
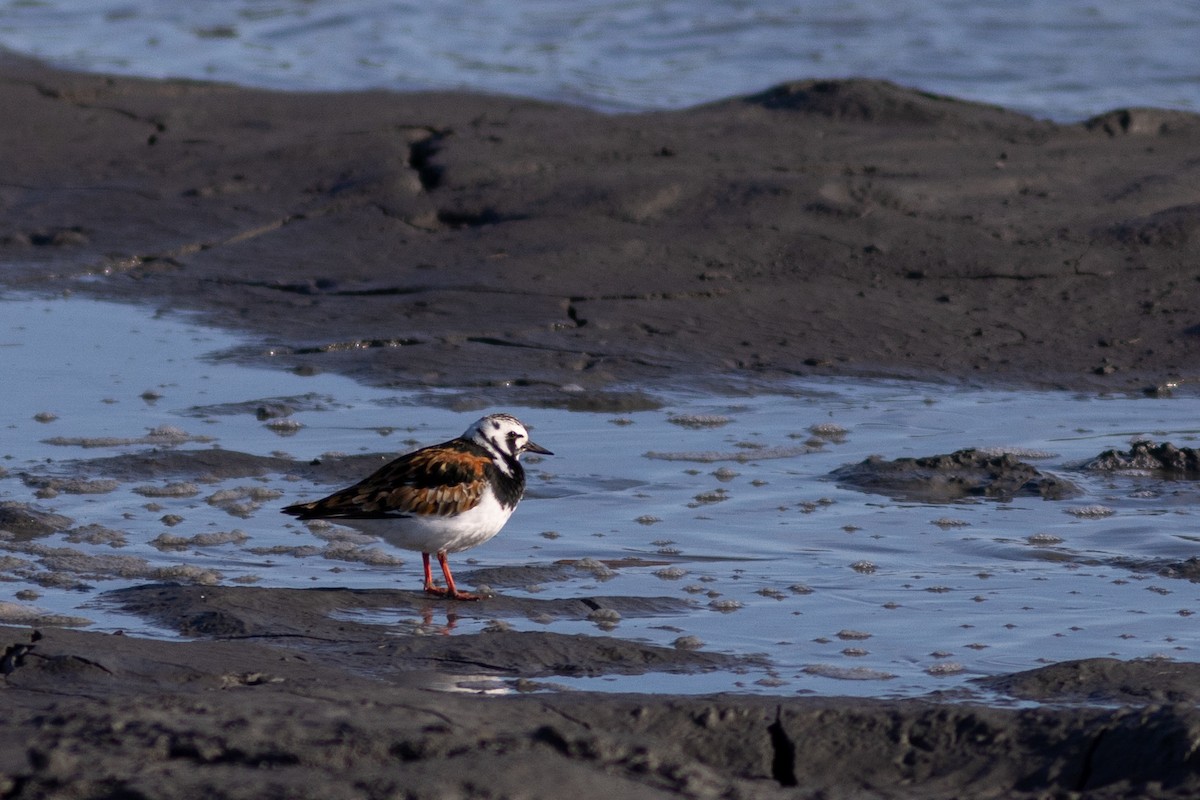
{"x": 102, "y": 715}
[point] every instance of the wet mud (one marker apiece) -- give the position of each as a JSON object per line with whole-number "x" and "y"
{"x": 518, "y": 250}
{"x": 1148, "y": 457}
{"x": 326, "y": 621}
{"x": 974, "y": 474}
{"x": 1104, "y": 680}
{"x": 955, "y": 476}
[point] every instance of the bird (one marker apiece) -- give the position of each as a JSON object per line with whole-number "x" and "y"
{"x": 440, "y": 499}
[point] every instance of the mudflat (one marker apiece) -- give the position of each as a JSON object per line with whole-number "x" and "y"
{"x": 521, "y": 248}
{"x": 850, "y": 227}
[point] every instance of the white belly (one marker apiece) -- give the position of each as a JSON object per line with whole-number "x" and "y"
{"x": 438, "y": 534}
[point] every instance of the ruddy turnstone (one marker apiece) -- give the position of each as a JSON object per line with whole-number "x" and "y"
{"x": 439, "y": 499}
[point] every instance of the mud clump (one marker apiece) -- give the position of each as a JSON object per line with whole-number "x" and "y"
{"x": 1146, "y": 456}
{"x": 1103, "y": 680}
{"x": 25, "y": 522}
{"x": 1187, "y": 569}
{"x": 957, "y": 476}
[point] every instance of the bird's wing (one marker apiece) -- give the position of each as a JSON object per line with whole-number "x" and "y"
{"x": 437, "y": 481}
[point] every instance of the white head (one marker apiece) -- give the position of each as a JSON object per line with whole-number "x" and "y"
{"x": 505, "y": 437}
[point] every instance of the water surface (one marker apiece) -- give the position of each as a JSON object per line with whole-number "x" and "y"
{"x": 725, "y": 501}
{"x": 1065, "y": 60}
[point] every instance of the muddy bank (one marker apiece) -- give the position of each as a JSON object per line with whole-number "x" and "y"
{"x": 459, "y": 240}
{"x": 91, "y": 715}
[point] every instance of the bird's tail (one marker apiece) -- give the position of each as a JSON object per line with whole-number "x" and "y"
{"x": 301, "y": 510}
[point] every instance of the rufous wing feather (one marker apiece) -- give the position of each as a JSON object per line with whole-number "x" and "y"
{"x": 442, "y": 480}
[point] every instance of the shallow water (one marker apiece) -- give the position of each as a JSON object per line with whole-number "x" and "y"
{"x": 1065, "y": 60}
{"x": 724, "y": 499}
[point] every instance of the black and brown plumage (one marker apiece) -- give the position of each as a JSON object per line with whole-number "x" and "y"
{"x": 440, "y": 499}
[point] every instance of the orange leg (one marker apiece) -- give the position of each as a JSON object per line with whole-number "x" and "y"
{"x": 429, "y": 587}
{"x": 450, "y": 589}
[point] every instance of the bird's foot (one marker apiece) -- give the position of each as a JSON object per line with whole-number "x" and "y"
{"x": 456, "y": 594}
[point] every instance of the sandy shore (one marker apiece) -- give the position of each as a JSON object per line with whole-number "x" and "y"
{"x": 519, "y": 248}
